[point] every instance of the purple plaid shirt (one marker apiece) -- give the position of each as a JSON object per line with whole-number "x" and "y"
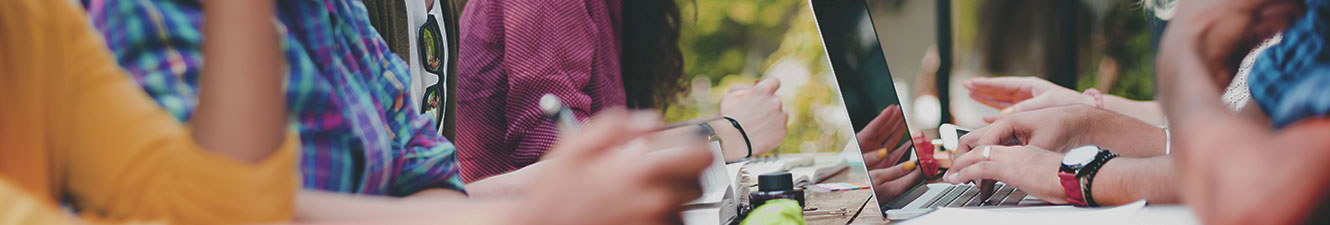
{"x": 346, "y": 91}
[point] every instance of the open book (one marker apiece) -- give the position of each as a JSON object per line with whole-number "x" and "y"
{"x": 807, "y": 169}
{"x": 719, "y": 203}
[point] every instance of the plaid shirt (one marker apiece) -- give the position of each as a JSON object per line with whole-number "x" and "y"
{"x": 1290, "y": 80}
{"x": 346, "y": 90}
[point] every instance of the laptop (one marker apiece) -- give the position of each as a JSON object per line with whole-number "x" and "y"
{"x": 866, "y": 87}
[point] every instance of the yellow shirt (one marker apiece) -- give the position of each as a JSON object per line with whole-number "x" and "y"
{"x": 74, "y": 126}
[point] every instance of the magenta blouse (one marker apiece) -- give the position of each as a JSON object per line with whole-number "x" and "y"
{"x": 514, "y": 51}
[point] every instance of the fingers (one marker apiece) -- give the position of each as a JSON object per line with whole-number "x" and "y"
{"x": 883, "y": 127}
{"x": 895, "y": 130}
{"x": 876, "y": 160}
{"x": 872, "y": 161}
{"x": 969, "y": 141}
{"x": 767, "y": 86}
{"x": 739, "y": 87}
{"x": 1001, "y": 87}
{"x": 661, "y": 180}
{"x": 608, "y": 129}
{"x": 1032, "y": 104}
{"x": 888, "y": 118}
{"x": 669, "y": 178}
{"x": 993, "y": 119}
{"x": 992, "y": 83}
{"x": 997, "y": 133}
{"x": 980, "y": 171}
{"x": 652, "y": 205}
{"x": 891, "y": 189}
{"x": 978, "y": 167}
{"x": 683, "y": 165}
{"x": 884, "y": 120}
{"x": 910, "y": 177}
{"x": 975, "y": 156}
{"x": 888, "y": 174}
{"x": 990, "y": 101}
{"x": 897, "y": 184}
{"x": 900, "y": 151}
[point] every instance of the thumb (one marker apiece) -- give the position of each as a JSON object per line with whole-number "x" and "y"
{"x": 768, "y": 85}
{"x": 890, "y": 173}
{"x": 739, "y": 87}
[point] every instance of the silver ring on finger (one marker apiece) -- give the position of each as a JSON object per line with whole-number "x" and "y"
{"x": 987, "y": 150}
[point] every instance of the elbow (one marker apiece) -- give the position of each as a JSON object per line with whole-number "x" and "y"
{"x": 255, "y": 152}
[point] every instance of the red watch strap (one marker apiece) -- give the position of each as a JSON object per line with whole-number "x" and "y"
{"x": 1072, "y": 186}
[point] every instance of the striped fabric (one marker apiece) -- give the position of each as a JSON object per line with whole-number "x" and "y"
{"x": 345, "y": 90}
{"x": 514, "y": 52}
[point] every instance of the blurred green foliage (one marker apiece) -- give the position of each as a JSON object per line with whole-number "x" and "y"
{"x": 737, "y": 42}
{"x": 1135, "y": 53}
{"x": 1136, "y": 80}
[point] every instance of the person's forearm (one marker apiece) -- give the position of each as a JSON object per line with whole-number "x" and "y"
{"x": 1127, "y": 136}
{"x": 1147, "y": 111}
{"x": 732, "y": 142}
{"x": 507, "y": 185}
{"x": 321, "y": 206}
{"x": 1124, "y": 180}
{"x": 1234, "y": 168}
{"x": 733, "y": 145}
{"x": 241, "y": 111}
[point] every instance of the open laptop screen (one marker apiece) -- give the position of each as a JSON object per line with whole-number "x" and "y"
{"x": 856, "y": 58}
{"x": 862, "y": 76}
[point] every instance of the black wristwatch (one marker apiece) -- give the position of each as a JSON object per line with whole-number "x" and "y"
{"x": 1079, "y": 167}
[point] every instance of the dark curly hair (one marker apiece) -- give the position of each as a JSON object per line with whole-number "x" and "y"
{"x": 650, "y": 60}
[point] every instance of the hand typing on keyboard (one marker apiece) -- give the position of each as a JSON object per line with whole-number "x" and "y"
{"x": 1027, "y": 168}
{"x": 967, "y": 195}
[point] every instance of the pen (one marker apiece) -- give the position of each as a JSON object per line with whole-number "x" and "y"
{"x": 816, "y": 212}
{"x": 554, "y": 109}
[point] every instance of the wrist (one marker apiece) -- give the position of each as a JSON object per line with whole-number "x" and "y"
{"x": 1125, "y": 180}
{"x": 731, "y": 144}
{"x": 748, "y": 143}
{"x": 1077, "y": 173}
{"x": 1108, "y": 188}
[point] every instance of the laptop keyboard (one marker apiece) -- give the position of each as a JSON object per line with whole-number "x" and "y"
{"x": 968, "y": 195}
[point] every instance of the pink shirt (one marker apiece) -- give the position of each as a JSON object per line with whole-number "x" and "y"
{"x": 515, "y": 51}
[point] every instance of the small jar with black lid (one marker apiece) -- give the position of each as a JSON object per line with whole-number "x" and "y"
{"x": 779, "y": 185}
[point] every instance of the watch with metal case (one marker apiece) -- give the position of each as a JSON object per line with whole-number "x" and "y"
{"x": 1077, "y": 172}
{"x": 706, "y": 130}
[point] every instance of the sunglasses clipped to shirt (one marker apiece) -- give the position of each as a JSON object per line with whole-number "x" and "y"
{"x": 431, "y": 56}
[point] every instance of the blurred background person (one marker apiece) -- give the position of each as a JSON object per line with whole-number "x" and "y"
{"x": 594, "y": 55}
